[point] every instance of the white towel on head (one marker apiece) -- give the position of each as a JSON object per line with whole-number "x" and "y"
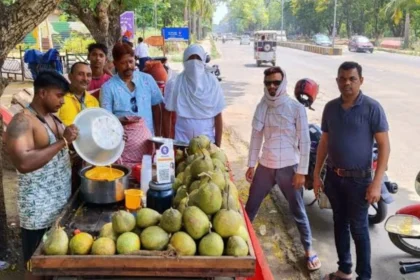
{"x": 196, "y": 94}
{"x": 269, "y": 101}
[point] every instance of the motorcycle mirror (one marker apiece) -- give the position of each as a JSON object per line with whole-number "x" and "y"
{"x": 417, "y": 183}
{"x": 208, "y": 58}
{"x": 406, "y": 225}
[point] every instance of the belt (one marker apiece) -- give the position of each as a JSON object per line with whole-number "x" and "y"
{"x": 352, "y": 173}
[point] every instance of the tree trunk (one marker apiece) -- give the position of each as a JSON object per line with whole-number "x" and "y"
{"x": 3, "y": 215}
{"x": 103, "y": 22}
{"x": 16, "y": 21}
{"x": 199, "y": 30}
{"x": 407, "y": 30}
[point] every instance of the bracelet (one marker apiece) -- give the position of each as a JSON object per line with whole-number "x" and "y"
{"x": 65, "y": 141}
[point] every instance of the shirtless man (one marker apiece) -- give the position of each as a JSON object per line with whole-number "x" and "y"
{"x": 38, "y": 146}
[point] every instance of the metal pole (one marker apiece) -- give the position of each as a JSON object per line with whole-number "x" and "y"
{"x": 335, "y": 19}
{"x": 282, "y": 15}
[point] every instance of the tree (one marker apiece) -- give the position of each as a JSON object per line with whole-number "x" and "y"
{"x": 18, "y": 18}
{"x": 101, "y": 17}
{"x": 398, "y": 8}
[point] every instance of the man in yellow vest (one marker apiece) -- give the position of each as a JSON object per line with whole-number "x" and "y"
{"x": 78, "y": 98}
{"x": 75, "y": 101}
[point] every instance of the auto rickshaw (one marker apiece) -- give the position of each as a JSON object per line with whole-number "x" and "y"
{"x": 265, "y": 42}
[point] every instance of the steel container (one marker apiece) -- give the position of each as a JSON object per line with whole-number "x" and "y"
{"x": 104, "y": 192}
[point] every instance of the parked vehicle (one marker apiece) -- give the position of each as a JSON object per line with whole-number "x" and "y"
{"x": 360, "y": 44}
{"x": 322, "y": 40}
{"x": 245, "y": 40}
{"x": 265, "y": 43}
{"x": 214, "y": 69}
{"x": 404, "y": 228}
{"x": 306, "y": 91}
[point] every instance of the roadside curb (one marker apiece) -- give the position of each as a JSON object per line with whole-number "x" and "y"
{"x": 403, "y": 52}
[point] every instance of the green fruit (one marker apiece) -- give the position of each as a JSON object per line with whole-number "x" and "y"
{"x": 57, "y": 242}
{"x": 179, "y": 155}
{"x": 220, "y": 155}
{"x": 154, "y": 238}
{"x": 229, "y": 202}
{"x": 218, "y": 164}
{"x": 187, "y": 176}
{"x": 211, "y": 245}
{"x": 194, "y": 186}
{"x": 177, "y": 183}
{"x": 108, "y": 231}
{"x": 198, "y": 143}
{"x": 181, "y": 193}
{"x": 216, "y": 177}
{"x": 196, "y": 222}
{"x": 242, "y": 232}
{"x": 236, "y": 247}
{"x": 182, "y": 205}
{"x": 226, "y": 223}
{"x": 171, "y": 220}
{"x": 81, "y": 244}
{"x": 201, "y": 164}
{"x": 127, "y": 243}
{"x": 209, "y": 198}
{"x": 147, "y": 217}
{"x": 180, "y": 176}
{"x": 183, "y": 244}
{"x": 103, "y": 246}
{"x": 123, "y": 221}
{"x": 181, "y": 167}
{"x": 193, "y": 198}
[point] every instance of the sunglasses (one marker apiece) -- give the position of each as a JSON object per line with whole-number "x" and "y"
{"x": 134, "y": 107}
{"x": 276, "y": 83}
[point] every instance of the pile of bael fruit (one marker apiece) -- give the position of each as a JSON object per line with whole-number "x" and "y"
{"x": 205, "y": 218}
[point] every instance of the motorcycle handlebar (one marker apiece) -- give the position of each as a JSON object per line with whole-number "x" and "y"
{"x": 406, "y": 269}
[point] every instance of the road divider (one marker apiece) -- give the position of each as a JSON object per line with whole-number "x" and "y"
{"x": 311, "y": 48}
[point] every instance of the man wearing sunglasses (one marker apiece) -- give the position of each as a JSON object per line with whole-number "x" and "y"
{"x": 282, "y": 122}
{"x": 135, "y": 99}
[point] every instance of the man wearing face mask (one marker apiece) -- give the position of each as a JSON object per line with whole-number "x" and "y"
{"x": 283, "y": 123}
{"x": 197, "y": 99}
{"x": 135, "y": 99}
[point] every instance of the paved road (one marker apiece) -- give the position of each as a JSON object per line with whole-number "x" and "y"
{"x": 390, "y": 78}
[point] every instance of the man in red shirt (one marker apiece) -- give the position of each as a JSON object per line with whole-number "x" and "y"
{"x": 98, "y": 57}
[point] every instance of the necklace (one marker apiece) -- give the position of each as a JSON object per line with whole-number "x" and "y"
{"x": 42, "y": 119}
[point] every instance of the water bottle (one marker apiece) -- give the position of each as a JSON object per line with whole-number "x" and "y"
{"x": 146, "y": 175}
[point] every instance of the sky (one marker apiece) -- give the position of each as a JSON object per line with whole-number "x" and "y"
{"x": 220, "y": 13}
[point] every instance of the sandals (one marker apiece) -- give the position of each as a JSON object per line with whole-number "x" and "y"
{"x": 310, "y": 262}
{"x": 332, "y": 276}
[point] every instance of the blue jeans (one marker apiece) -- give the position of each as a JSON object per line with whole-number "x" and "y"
{"x": 264, "y": 180}
{"x": 350, "y": 211}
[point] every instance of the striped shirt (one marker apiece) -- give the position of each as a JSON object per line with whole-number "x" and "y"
{"x": 286, "y": 136}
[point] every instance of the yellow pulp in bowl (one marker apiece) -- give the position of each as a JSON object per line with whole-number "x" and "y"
{"x": 103, "y": 173}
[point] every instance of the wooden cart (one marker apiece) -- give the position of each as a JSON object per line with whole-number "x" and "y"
{"x": 90, "y": 218}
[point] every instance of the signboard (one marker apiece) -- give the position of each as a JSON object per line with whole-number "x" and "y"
{"x": 176, "y": 33}
{"x": 127, "y": 24}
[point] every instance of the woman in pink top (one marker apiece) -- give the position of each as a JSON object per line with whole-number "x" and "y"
{"x": 98, "y": 58}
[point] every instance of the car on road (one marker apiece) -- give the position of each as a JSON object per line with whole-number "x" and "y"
{"x": 360, "y": 44}
{"x": 245, "y": 40}
{"x": 322, "y": 40}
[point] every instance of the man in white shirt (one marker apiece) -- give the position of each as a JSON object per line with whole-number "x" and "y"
{"x": 142, "y": 53}
{"x": 283, "y": 123}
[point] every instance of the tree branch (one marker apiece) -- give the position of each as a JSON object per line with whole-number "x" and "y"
{"x": 19, "y": 19}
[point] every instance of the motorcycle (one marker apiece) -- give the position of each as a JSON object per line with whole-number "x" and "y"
{"x": 213, "y": 69}
{"x": 404, "y": 226}
{"x": 380, "y": 208}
